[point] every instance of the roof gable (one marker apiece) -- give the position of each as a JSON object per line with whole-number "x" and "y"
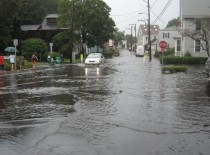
{"x": 154, "y": 29}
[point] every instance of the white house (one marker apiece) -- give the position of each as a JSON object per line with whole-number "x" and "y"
{"x": 142, "y": 36}
{"x": 172, "y": 35}
{"x": 191, "y": 13}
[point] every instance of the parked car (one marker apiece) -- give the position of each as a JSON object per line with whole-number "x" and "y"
{"x": 94, "y": 59}
{"x": 140, "y": 51}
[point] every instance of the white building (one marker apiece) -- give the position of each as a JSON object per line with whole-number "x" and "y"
{"x": 172, "y": 35}
{"x": 191, "y": 13}
{"x": 142, "y": 36}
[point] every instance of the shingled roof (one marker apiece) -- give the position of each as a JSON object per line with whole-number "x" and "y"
{"x": 44, "y": 25}
{"x": 154, "y": 29}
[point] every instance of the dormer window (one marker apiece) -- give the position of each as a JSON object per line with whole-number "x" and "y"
{"x": 51, "y": 21}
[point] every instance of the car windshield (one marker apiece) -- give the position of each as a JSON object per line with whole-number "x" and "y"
{"x": 95, "y": 55}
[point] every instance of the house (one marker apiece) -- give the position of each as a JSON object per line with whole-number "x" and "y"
{"x": 142, "y": 36}
{"x": 192, "y": 12}
{"x": 172, "y": 35}
{"x": 46, "y": 30}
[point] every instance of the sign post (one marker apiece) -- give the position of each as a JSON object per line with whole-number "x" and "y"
{"x": 163, "y": 45}
{"x": 51, "y": 46}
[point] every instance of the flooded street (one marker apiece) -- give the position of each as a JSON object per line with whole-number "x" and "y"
{"x": 125, "y": 107}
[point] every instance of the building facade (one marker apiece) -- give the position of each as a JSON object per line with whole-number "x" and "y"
{"x": 192, "y": 13}
{"x": 142, "y": 36}
{"x": 172, "y": 35}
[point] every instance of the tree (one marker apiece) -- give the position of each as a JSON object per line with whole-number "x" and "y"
{"x": 131, "y": 41}
{"x": 34, "y": 11}
{"x": 118, "y": 37}
{"x": 91, "y": 22}
{"x": 201, "y": 33}
{"x": 173, "y": 22}
{"x": 14, "y": 13}
{"x": 8, "y": 13}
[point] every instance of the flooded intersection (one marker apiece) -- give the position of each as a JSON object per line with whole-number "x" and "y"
{"x": 126, "y": 107}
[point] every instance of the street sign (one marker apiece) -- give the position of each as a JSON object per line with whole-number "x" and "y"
{"x": 15, "y": 42}
{"x": 163, "y": 44}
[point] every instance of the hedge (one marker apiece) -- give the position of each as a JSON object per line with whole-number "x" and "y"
{"x": 184, "y": 60}
{"x": 174, "y": 69}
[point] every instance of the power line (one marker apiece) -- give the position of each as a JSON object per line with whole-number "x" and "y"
{"x": 127, "y": 19}
{"x": 163, "y": 11}
{"x": 126, "y": 14}
{"x": 157, "y": 17}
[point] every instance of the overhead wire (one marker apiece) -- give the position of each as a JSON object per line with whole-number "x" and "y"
{"x": 162, "y": 12}
{"x": 126, "y": 14}
{"x": 159, "y": 18}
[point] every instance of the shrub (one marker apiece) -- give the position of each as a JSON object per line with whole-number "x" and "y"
{"x": 52, "y": 55}
{"x": 173, "y": 69}
{"x": 31, "y": 45}
{"x": 188, "y": 54}
{"x": 170, "y": 52}
{"x": 7, "y": 65}
{"x": 107, "y": 54}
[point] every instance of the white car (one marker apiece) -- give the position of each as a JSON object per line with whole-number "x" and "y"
{"x": 94, "y": 59}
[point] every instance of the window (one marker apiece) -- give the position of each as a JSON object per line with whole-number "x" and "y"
{"x": 51, "y": 21}
{"x": 178, "y": 45}
{"x": 198, "y": 25}
{"x": 165, "y": 35}
{"x": 197, "y": 45}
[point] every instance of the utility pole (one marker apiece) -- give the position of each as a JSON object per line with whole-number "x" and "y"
{"x": 131, "y": 37}
{"x": 72, "y": 31}
{"x": 135, "y": 34}
{"x": 149, "y": 33}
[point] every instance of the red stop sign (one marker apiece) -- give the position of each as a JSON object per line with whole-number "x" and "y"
{"x": 163, "y": 44}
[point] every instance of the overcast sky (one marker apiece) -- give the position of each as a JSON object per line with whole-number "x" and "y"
{"x": 125, "y": 12}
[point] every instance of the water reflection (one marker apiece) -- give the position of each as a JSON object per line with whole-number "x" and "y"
{"x": 92, "y": 71}
{"x": 2, "y": 85}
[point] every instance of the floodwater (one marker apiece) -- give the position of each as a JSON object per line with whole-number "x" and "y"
{"x": 124, "y": 107}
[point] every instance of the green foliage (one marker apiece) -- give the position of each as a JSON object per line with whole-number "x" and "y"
{"x": 118, "y": 37}
{"x": 93, "y": 23}
{"x": 7, "y": 65}
{"x": 52, "y": 55}
{"x": 188, "y": 54}
{"x": 33, "y": 11}
{"x": 170, "y": 52}
{"x": 173, "y": 69}
{"x": 61, "y": 43}
{"x": 173, "y": 22}
{"x": 33, "y": 45}
{"x": 108, "y": 55}
{"x": 184, "y": 60}
{"x": 14, "y": 13}
{"x": 8, "y": 14}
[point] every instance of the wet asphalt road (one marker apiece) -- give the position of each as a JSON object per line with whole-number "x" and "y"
{"x": 125, "y": 107}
